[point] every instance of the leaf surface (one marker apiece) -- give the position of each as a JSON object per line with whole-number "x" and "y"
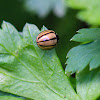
{"x": 80, "y": 56}
{"x": 87, "y": 35}
{"x": 28, "y": 71}
{"x": 88, "y": 84}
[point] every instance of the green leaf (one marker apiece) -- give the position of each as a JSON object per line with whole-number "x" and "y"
{"x": 43, "y": 28}
{"x": 80, "y": 56}
{"x": 88, "y": 84}
{"x": 9, "y": 98}
{"x": 42, "y": 8}
{"x": 28, "y": 71}
{"x": 87, "y": 35}
{"x": 88, "y": 10}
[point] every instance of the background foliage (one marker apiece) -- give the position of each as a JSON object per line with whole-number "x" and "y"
{"x": 88, "y": 10}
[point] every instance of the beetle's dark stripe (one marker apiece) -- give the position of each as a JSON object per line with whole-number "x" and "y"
{"x": 48, "y": 40}
{"x": 57, "y": 38}
{"x": 44, "y": 35}
{"x": 52, "y": 32}
{"x": 47, "y": 46}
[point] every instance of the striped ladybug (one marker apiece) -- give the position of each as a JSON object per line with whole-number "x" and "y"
{"x": 47, "y": 39}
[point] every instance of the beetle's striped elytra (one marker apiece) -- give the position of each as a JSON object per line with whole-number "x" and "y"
{"x": 47, "y": 39}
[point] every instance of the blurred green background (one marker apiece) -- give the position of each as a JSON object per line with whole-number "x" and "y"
{"x": 54, "y": 14}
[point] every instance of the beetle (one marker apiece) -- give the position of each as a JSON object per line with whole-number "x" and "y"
{"x": 47, "y": 39}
